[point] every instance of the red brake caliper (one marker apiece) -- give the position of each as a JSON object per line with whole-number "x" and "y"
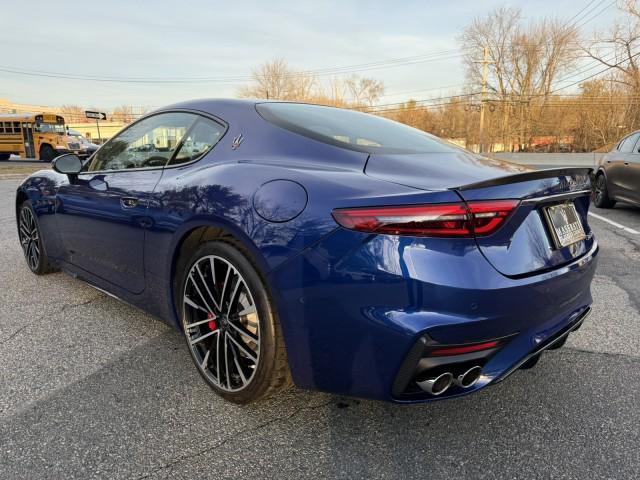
{"x": 212, "y": 321}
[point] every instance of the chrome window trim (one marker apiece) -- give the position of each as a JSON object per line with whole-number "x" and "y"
{"x": 197, "y": 113}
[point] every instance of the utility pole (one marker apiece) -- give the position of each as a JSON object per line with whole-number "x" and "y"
{"x": 483, "y": 99}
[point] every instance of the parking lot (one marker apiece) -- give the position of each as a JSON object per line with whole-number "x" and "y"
{"x": 93, "y": 388}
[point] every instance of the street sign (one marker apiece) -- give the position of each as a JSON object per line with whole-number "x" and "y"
{"x": 95, "y": 115}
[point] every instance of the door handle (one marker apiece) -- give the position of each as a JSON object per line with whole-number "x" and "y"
{"x": 626, "y": 163}
{"x": 128, "y": 202}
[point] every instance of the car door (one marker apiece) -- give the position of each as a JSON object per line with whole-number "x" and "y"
{"x": 631, "y": 182}
{"x": 103, "y": 213}
{"x": 616, "y": 164}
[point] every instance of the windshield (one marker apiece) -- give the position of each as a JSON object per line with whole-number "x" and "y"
{"x": 351, "y": 129}
{"x": 77, "y": 137}
{"x": 51, "y": 128}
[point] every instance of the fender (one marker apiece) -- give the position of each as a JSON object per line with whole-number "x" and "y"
{"x": 601, "y": 170}
{"x": 41, "y": 189}
{"x": 178, "y": 238}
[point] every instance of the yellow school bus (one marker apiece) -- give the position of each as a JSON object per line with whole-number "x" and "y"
{"x": 42, "y": 136}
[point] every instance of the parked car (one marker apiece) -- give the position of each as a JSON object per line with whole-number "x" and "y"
{"x": 339, "y": 250}
{"x": 87, "y": 148}
{"x": 617, "y": 177}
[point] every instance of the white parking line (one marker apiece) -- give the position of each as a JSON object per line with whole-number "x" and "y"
{"x": 615, "y": 224}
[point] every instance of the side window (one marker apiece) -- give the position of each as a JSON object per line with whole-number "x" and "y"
{"x": 198, "y": 141}
{"x": 626, "y": 146}
{"x": 148, "y": 143}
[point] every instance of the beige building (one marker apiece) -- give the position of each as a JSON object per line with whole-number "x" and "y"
{"x": 89, "y": 130}
{"x": 9, "y": 107}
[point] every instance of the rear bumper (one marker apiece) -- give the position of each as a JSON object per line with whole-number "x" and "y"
{"x": 573, "y": 324}
{"x": 354, "y": 307}
{"x": 494, "y": 370}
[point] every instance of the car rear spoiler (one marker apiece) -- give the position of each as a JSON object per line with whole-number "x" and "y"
{"x": 524, "y": 177}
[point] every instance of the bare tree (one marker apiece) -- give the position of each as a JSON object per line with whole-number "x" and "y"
{"x": 126, "y": 113}
{"x": 73, "y": 114}
{"x": 617, "y": 49}
{"x": 364, "y": 92}
{"x": 526, "y": 60}
{"x": 276, "y": 80}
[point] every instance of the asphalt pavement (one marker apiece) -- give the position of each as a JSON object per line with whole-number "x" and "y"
{"x": 23, "y": 161}
{"x": 93, "y": 388}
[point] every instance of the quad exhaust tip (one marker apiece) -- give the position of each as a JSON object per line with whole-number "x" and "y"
{"x": 468, "y": 378}
{"x": 437, "y": 385}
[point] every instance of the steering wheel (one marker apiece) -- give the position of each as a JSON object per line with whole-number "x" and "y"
{"x": 156, "y": 161}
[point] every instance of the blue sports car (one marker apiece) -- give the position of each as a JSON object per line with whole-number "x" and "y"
{"x": 340, "y": 251}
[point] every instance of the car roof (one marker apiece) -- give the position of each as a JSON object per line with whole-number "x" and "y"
{"x": 222, "y": 107}
{"x": 225, "y": 108}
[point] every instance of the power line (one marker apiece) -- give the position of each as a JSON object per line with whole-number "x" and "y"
{"x": 327, "y": 71}
{"x": 606, "y": 7}
{"x": 578, "y": 14}
{"x": 390, "y": 63}
{"x": 425, "y": 100}
{"x": 595, "y": 63}
{"x": 597, "y": 73}
{"x": 459, "y": 85}
{"x": 396, "y": 109}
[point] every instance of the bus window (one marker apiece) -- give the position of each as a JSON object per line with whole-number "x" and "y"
{"x": 50, "y": 128}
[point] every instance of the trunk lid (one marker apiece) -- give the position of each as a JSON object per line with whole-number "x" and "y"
{"x": 528, "y": 242}
{"x": 438, "y": 171}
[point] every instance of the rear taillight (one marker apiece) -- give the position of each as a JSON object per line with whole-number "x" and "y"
{"x": 478, "y": 347}
{"x": 437, "y": 220}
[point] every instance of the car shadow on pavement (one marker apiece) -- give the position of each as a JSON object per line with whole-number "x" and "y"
{"x": 147, "y": 414}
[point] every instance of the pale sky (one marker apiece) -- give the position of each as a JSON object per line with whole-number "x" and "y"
{"x": 164, "y": 40}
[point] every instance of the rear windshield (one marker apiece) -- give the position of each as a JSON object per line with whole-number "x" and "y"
{"x": 351, "y": 129}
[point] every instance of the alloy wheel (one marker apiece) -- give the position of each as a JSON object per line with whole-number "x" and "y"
{"x": 29, "y": 238}
{"x": 601, "y": 187}
{"x": 221, "y": 323}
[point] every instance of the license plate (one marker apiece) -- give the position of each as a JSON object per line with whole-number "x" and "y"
{"x": 565, "y": 224}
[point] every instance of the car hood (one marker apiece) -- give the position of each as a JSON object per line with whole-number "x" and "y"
{"x": 438, "y": 171}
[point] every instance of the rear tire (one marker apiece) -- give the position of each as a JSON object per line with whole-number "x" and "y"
{"x": 47, "y": 153}
{"x": 230, "y": 323}
{"x": 31, "y": 240}
{"x": 602, "y": 199}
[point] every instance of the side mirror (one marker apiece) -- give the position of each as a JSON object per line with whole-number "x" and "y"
{"x": 69, "y": 164}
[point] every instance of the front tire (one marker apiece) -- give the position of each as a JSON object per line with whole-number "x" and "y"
{"x": 31, "y": 240}
{"x": 602, "y": 199}
{"x": 231, "y": 326}
{"x": 47, "y": 153}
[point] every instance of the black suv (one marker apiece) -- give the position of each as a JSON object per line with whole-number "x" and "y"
{"x": 618, "y": 175}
